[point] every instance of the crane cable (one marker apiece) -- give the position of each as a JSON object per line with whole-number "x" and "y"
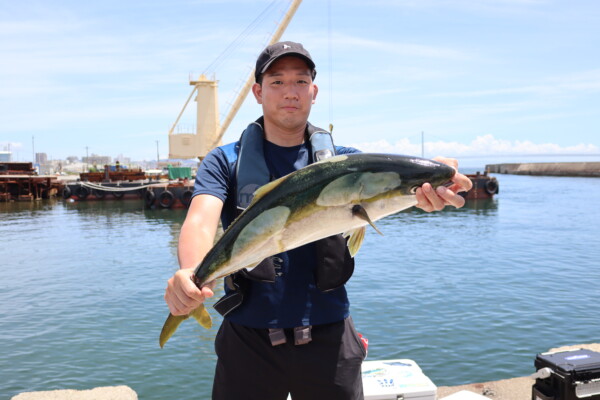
{"x": 216, "y": 64}
{"x": 330, "y": 46}
{"x": 224, "y": 54}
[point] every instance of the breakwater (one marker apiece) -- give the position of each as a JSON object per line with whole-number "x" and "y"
{"x": 585, "y": 169}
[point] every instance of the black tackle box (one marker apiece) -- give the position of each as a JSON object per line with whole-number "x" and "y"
{"x": 572, "y": 374}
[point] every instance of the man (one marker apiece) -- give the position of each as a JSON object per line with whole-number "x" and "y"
{"x": 286, "y": 328}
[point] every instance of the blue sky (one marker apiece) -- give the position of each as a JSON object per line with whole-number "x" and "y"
{"x": 485, "y": 80}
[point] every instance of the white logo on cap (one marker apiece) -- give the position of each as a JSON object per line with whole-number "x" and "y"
{"x": 285, "y": 46}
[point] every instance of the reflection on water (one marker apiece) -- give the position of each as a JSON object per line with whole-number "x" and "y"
{"x": 476, "y": 207}
{"x": 481, "y": 204}
{"x": 10, "y": 209}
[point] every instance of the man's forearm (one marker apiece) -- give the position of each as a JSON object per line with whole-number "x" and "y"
{"x": 194, "y": 243}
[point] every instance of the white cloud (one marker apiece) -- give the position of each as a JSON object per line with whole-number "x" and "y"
{"x": 486, "y": 145}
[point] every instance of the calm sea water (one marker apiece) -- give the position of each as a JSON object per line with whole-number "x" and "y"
{"x": 471, "y": 295}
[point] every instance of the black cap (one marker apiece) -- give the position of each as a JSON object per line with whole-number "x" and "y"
{"x": 278, "y": 50}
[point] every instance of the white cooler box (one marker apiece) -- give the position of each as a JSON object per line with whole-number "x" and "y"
{"x": 396, "y": 379}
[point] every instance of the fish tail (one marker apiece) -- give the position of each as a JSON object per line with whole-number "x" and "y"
{"x": 200, "y": 314}
{"x": 169, "y": 328}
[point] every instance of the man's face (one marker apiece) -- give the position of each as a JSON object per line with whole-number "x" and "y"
{"x": 287, "y": 93}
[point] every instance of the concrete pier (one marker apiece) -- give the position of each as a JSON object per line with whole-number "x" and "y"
{"x": 508, "y": 389}
{"x": 99, "y": 393}
{"x": 585, "y": 169}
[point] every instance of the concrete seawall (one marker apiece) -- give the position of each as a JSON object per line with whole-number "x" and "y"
{"x": 507, "y": 389}
{"x": 585, "y": 169}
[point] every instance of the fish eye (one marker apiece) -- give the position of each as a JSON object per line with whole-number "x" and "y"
{"x": 413, "y": 189}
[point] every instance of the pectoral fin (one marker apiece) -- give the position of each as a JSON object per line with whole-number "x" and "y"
{"x": 360, "y": 212}
{"x": 356, "y": 237}
{"x": 173, "y": 321}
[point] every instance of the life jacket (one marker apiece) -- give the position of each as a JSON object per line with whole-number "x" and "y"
{"x": 334, "y": 265}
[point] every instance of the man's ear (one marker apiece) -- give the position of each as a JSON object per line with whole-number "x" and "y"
{"x": 257, "y": 92}
{"x": 315, "y": 91}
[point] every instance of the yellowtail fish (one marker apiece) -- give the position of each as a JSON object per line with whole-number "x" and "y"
{"x": 342, "y": 194}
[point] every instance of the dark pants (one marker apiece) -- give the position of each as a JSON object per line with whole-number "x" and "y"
{"x": 249, "y": 367}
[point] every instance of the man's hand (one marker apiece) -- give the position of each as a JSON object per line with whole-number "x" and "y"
{"x": 429, "y": 199}
{"x": 182, "y": 295}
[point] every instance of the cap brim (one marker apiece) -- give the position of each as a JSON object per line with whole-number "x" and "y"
{"x": 307, "y": 60}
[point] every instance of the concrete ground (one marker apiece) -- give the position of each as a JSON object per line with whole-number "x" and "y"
{"x": 507, "y": 389}
{"x": 100, "y": 393}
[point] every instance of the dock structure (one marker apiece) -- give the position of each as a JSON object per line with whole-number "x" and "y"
{"x": 584, "y": 169}
{"x": 18, "y": 182}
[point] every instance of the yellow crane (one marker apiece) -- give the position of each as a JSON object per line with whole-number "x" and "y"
{"x": 209, "y": 130}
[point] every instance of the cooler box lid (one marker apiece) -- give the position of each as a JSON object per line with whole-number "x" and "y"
{"x": 388, "y": 379}
{"x": 572, "y": 361}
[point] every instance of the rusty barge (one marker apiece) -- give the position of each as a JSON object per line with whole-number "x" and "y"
{"x": 19, "y": 182}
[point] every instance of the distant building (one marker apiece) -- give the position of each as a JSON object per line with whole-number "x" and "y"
{"x": 165, "y": 164}
{"x": 41, "y": 158}
{"x": 5, "y": 156}
{"x": 72, "y": 159}
{"x": 123, "y": 160}
{"x": 95, "y": 159}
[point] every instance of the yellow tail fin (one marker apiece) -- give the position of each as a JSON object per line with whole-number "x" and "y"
{"x": 172, "y": 323}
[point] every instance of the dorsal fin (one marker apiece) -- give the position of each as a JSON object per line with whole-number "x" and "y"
{"x": 264, "y": 189}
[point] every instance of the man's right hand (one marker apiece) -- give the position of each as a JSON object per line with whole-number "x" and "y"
{"x": 182, "y": 295}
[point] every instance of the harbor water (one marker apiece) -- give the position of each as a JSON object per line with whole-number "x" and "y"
{"x": 471, "y": 295}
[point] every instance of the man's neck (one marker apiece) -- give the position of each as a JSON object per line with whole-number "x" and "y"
{"x": 284, "y": 137}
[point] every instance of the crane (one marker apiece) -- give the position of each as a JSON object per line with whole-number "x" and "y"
{"x": 209, "y": 130}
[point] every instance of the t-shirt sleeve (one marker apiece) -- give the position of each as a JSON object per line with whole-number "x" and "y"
{"x": 213, "y": 175}
{"x": 346, "y": 150}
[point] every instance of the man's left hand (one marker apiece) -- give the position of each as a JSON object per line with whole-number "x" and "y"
{"x": 430, "y": 200}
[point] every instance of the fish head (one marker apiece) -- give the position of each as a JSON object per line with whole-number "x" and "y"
{"x": 364, "y": 176}
{"x": 413, "y": 172}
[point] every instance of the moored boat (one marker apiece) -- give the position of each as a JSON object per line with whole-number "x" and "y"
{"x": 484, "y": 187}
{"x": 172, "y": 189}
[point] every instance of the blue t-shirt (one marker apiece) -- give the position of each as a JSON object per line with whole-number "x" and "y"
{"x": 293, "y": 299}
